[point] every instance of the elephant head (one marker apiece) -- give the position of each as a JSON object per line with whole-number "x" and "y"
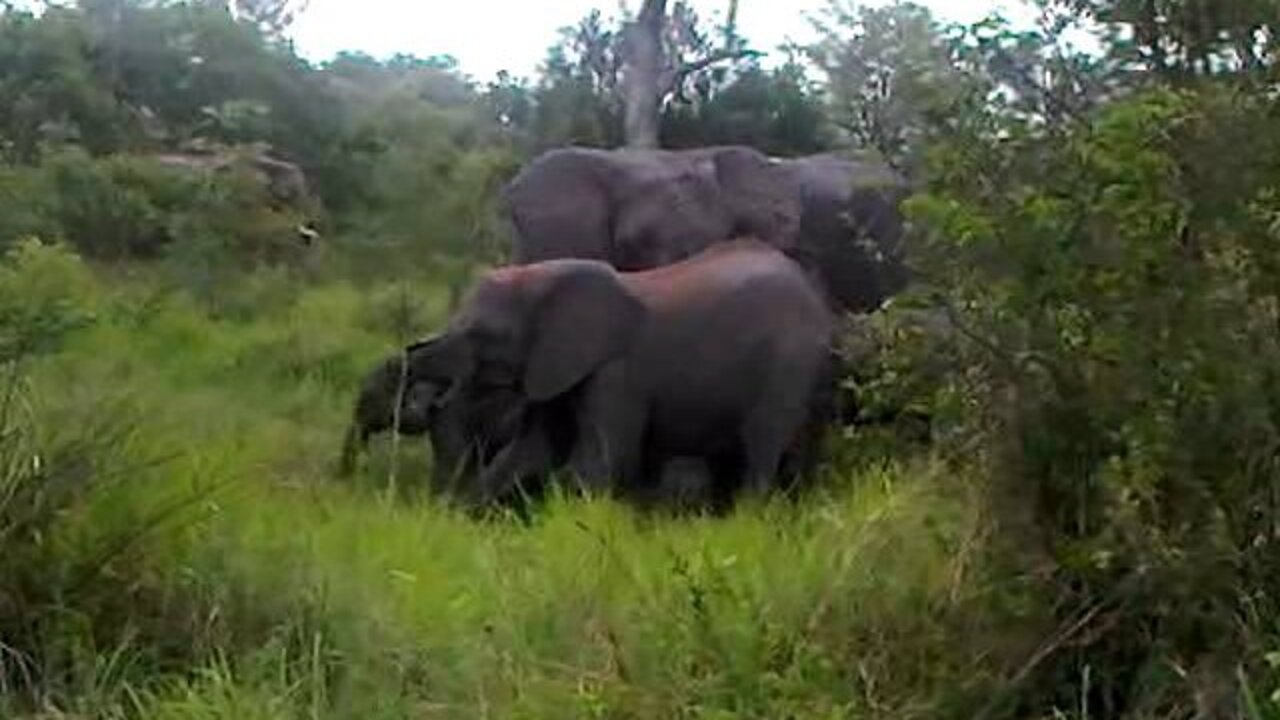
{"x": 465, "y": 427}
{"x": 524, "y": 337}
{"x": 382, "y": 389}
{"x": 536, "y": 330}
{"x": 851, "y": 228}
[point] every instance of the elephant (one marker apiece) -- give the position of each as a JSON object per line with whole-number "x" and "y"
{"x": 642, "y": 209}
{"x": 375, "y": 408}
{"x": 717, "y": 357}
{"x": 465, "y": 430}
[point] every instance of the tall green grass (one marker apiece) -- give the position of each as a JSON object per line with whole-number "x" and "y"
{"x": 252, "y": 584}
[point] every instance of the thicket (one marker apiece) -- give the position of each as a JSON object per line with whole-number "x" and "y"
{"x": 1107, "y": 267}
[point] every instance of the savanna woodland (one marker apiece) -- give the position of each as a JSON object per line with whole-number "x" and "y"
{"x": 1063, "y": 504}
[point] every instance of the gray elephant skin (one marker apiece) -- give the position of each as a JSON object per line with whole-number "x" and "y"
{"x": 717, "y": 357}
{"x": 465, "y": 430}
{"x": 641, "y": 209}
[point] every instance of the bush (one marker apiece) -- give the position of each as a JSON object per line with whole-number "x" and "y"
{"x": 125, "y": 206}
{"x": 1118, "y": 376}
{"x": 110, "y": 208}
{"x": 71, "y": 520}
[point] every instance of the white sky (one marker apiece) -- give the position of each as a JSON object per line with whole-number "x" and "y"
{"x": 491, "y": 35}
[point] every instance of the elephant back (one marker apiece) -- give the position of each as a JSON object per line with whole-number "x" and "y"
{"x": 558, "y": 206}
{"x": 640, "y": 209}
{"x": 759, "y": 196}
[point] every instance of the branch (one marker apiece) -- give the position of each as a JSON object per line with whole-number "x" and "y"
{"x": 675, "y": 77}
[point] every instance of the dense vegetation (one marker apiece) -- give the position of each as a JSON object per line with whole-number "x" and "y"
{"x": 1089, "y": 531}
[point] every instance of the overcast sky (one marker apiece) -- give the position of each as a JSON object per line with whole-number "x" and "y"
{"x": 491, "y": 35}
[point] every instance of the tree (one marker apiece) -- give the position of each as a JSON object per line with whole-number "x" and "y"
{"x": 272, "y": 17}
{"x": 778, "y": 111}
{"x": 577, "y": 98}
{"x": 1180, "y": 39}
{"x": 652, "y": 72}
{"x": 581, "y": 96}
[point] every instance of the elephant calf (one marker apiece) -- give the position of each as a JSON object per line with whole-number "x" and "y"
{"x": 465, "y": 430}
{"x": 375, "y": 408}
{"x": 716, "y": 357}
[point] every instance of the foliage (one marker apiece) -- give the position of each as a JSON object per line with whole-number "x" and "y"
{"x": 55, "y": 558}
{"x": 70, "y": 105}
{"x": 577, "y": 97}
{"x": 124, "y": 206}
{"x": 777, "y": 111}
{"x": 1180, "y": 39}
{"x": 1115, "y": 377}
{"x": 889, "y": 73}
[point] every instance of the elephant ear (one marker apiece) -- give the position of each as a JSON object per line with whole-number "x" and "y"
{"x": 762, "y": 195}
{"x": 585, "y": 318}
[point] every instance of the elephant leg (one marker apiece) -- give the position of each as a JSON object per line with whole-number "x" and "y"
{"x": 608, "y": 450}
{"x": 774, "y": 424}
{"x": 449, "y": 468}
{"x": 765, "y": 439}
{"x": 602, "y": 460}
{"x": 726, "y": 470}
{"x": 530, "y": 454}
{"x": 801, "y": 460}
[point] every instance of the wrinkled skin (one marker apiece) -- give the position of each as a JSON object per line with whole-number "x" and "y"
{"x": 646, "y": 366}
{"x": 642, "y": 209}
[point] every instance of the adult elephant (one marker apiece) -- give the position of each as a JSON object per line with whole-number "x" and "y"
{"x": 716, "y": 357}
{"x": 641, "y": 209}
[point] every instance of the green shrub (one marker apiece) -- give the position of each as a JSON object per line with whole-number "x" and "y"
{"x": 82, "y": 493}
{"x": 110, "y": 208}
{"x": 126, "y": 207}
{"x": 1117, "y": 376}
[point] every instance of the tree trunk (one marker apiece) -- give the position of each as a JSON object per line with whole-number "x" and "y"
{"x": 643, "y": 66}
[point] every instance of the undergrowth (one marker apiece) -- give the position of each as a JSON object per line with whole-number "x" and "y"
{"x": 209, "y": 565}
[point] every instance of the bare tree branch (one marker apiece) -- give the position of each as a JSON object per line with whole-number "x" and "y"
{"x": 674, "y": 78}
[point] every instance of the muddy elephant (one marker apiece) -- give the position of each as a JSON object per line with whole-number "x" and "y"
{"x": 641, "y": 209}
{"x": 716, "y": 357}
